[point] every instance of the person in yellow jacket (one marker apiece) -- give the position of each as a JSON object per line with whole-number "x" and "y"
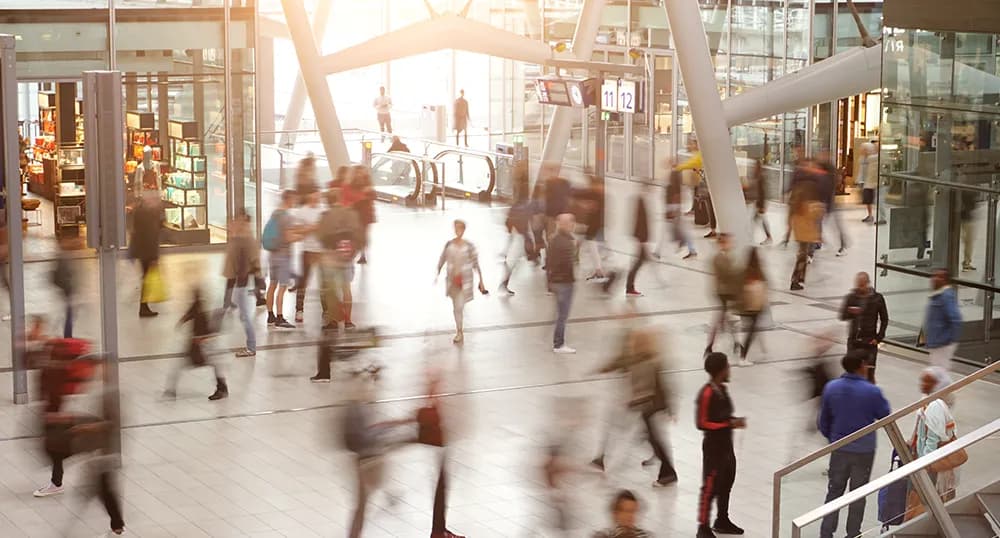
{"x": 696, "y": 162}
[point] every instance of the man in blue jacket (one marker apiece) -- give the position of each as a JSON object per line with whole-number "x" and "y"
{"x": 850, "y": 403}
{"x": 943, "y": 321}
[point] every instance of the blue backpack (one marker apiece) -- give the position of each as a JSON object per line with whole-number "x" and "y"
{"x": 270, "y": 239}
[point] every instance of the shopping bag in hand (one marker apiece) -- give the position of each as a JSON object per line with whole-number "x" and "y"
{"x": 154, "y": 290}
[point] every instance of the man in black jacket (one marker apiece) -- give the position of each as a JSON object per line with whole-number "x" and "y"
{"x": 560, "y": 262}
{"x": 641, "y": 234}
{"x": 865, "y": 309}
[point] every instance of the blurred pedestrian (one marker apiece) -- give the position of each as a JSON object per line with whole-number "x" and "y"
{"x": 430, "y": 431}
{"x": 306, "y": 220}
{"x": 714, "y": 417}
{"x": 362, "y": 194}
{"x": 363, "y": 437}
{"x": 241, "y": 262}
{"x": 756, "y": 194}
{"x": 341, "y": 237}
{"x": 462, "y": 260}
{"x": 805, "y": 218}
{"x": 849, "y": 404}
{"x": 591, "y": 202}
{"x": 829, "y": 179}
{"x": 624, "y": 512}
{"x": 305, "y": 176}
{"x": 753, "y": 301}
{"x": 640, "y": 231}
{"x": 65, "y": 280}
{"x": 518, "y": 227}
{"x": 144, "y": 245}
{"x": 560, "y": 263}
{"x": 969, "y": 199}
{"x": 676, "y": 227}
{"x": 640, "y": 358}
{"x": 866, "y": 310}
{"x": 461, "y": 110}
{"x": 397, "y": 145}
{"x": 728, "y": 284}
{"x": 869, "y": 178}
{"x": 942, "y": 320}
{"x": 383, "y": 109}
{"x": 277, "y": 238}
{"x": 558, "y": 192}
{"x": 204, "y": 329}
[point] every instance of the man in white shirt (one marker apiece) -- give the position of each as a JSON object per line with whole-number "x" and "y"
{"x": 307, "y": 217}
{"x": 871, "y": 182}
{"x": 383, "y": 104}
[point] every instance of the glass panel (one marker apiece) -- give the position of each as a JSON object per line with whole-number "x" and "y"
{"x": 60, "y": 50}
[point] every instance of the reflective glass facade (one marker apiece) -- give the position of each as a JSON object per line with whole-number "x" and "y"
{"x": 940, "y": 142}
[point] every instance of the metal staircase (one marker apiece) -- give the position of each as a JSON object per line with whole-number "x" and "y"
{"x": 976, "y": 515}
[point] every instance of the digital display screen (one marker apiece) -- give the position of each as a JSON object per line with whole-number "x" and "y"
{"x": 552, "y": 92}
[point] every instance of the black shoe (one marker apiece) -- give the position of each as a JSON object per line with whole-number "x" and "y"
{"x": 705, "y": 532}
{"x": 598, "y": 462}
{"x": 665, "y": 481}
{"x": 170, "y": 395}
{"x": 145, "y": 312}
{"x": 219, "y": 394}
{"x": 271, "y": 319}
{"x": 261, "y": 301}
{"x": 362, "y": 260}
{"x": 796, "y": 286}
{"x": 724, "y": 526}
{"x": 281, "y": 323}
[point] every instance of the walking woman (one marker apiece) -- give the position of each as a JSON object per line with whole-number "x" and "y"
{"x": 936, "y": 427}
{"x": 144, "y": 245}
{"x": 757, "y": 194}
{"x": 362, "y": 199}
{"x": 462, "y": 260}
{"x": 754, "y": 301}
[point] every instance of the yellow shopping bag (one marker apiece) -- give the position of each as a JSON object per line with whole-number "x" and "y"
{"x": 153, "y": 288}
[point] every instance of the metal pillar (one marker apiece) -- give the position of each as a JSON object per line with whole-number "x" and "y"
{"x": 554, "y": 150}
{"x": 330, "y": 133}
{"x": 104, "y": 161}
{"x": 297, "y": 103}
{"x": 12, "y": 186}
{"x": 695, "y": 63}
{"x": 264, "y": 85}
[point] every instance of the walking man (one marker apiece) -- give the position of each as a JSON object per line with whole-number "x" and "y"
{"x": 943, "y": 320}
{"x": 560, "y": 262}
{"x": 462, "y": 117}
{"x": 728, "y": 283}
{"x": 714, "y": 417}
{"x": 865, "y": 309}
{"x": 641, "y": 234}
{"x": 849, "y": 404}
{"x": 383, "y": 104}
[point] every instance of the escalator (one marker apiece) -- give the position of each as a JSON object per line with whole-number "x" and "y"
{"x": 468, "y": 173}
{"x": 404, "y": 178}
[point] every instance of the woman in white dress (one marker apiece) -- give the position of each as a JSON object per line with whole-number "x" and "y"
{"x": 935, "y": 427}
{"x": 462, "y": 260}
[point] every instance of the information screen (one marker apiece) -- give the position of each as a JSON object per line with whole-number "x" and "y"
{"x": 555, "y": 92}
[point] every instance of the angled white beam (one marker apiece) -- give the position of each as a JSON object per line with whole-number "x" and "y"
{"x": 561, "y": 125}
{"x": 848, "y": 73}
{"x": 695, "y": 61}
{"x": 297, "y": 102}
{"x": 446, "y": 31}
{"x": 273, "y": 28}
{"x": 308, "y": 53}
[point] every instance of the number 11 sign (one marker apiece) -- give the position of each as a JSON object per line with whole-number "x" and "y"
{"x": 609, "y": 95}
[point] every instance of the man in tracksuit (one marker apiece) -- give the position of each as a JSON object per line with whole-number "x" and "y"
{"x": 865, "y": 309}
{"x": 714, "y": 416}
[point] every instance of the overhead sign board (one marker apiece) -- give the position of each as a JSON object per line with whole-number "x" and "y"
{"x": 619, "y": 95}
{"x": 581, "y": 92}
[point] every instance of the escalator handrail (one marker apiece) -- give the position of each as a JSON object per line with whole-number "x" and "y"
{"x": 477, "y": 153}
{"x": 413, "y": 159}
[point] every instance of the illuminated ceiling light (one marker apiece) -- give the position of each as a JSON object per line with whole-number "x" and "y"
{"x": 634, "y": 53}
{"x": 560, "y": 46}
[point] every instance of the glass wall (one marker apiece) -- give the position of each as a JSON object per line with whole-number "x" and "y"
{"x": 940, "y": 142}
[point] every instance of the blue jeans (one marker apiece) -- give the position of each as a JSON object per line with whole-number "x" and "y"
{"x": 564, "y": 298}
{"x": 246, "y": 316}
{"x": 845, "y": 467}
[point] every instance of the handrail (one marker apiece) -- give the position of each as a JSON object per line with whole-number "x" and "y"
{"x": 875, "y": 426}
{"x": 940, "y": 182}
{"x": 902, "y": 472}
{"x": 489, "y": 164}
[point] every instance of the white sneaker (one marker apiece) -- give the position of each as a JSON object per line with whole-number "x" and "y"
{"x": 745, "y": 362}
{"x": 564, "y": 349}
{"x": 48, "y": 490}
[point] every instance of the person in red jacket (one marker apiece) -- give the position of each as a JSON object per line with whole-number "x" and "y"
{"x": 714, "y": 417}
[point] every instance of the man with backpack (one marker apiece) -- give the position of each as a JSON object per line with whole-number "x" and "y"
{"x": 278, "y": 236}
{"x": 342, "y": 237}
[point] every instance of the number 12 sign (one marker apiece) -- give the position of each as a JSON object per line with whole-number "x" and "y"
{"x": 618, "y": 96}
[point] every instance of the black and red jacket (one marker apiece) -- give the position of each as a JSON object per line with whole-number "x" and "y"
{"x": 713, "y": 411}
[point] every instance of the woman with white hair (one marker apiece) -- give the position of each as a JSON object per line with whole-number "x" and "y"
{"x": 936, "y": 427}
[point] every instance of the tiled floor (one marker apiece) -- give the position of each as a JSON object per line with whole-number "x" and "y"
{"x": 267, "y": 461}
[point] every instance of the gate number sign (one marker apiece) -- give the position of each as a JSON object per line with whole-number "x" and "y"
{"x": 618, "y": 96}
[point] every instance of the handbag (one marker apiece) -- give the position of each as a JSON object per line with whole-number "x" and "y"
{"x": 154, "y": 290}
{"x": 951, "y": 461}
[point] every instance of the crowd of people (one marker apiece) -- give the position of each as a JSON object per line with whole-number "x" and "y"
{"x": 555, "y": 228}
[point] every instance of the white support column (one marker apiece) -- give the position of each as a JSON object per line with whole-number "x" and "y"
{"x": 297, "y": 103}
{"x": 561, "y": 125}
{"x": 695, "y": 62}
{"x": 330, "y": 133}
